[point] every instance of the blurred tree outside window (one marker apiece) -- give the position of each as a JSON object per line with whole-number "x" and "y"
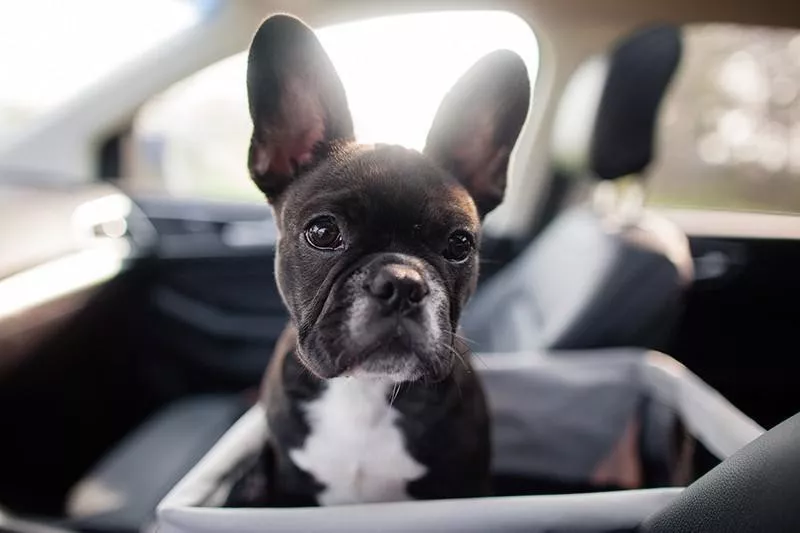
{"x": 729, "y": 135}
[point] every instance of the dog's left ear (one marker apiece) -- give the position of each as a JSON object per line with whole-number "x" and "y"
{"x": 478, "y": 123}
{"x": 297, "y": 102}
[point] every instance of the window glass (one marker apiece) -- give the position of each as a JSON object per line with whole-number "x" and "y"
{"x": 730, "y": 128}
{"x": 193, "y": 138}
{"x": 50, "y": 50}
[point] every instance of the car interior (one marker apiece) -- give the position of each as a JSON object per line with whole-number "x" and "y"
{"x": 632, "y": 292}
{"x": 135, "y": 325}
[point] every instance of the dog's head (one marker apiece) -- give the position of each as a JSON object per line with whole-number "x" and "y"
{"x": 377, "y": 249}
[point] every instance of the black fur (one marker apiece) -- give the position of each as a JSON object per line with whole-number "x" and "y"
{"x": 393, "y": 206}
{"x": 445, "y": 425}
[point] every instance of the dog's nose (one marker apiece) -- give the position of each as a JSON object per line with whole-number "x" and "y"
{"x": 398, "y": 287}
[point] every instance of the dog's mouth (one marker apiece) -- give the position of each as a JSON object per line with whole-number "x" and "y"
{"x": 392, "y": 349}
{"x": 370, "y": 335}
{"x": 394, "y": 334}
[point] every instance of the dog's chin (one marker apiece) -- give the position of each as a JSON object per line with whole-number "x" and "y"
{"x": 395, "y": 365}
{"x": 389, "y": 349}
{"x": 395, "y": 368}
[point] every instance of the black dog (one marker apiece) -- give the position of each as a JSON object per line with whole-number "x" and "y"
{"x": 370, "y": 396}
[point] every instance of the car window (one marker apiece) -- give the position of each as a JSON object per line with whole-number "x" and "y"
{"x": 192, "y": 139}
{"x": 730, "y": 126}
{"x": 84, "y": 43}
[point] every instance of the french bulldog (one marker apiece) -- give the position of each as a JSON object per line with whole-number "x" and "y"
{"x": 370, "y": 395}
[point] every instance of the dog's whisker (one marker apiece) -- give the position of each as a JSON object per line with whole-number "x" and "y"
{"x": 459, "y": 356}
{"x": 463, "y": 338}
{"x": 461, "y": 359}
{"x": 451, "y": 346}
{"x": 457, "y": 336}
{"x": 480, "y": 360}
{"x": 395, "y": 392}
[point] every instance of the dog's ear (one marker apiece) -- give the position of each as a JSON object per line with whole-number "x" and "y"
{"x": 297, "y": 103}
{"x": 478, "y": 123}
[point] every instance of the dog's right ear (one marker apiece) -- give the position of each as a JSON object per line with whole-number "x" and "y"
{"x": 297, "y": 103}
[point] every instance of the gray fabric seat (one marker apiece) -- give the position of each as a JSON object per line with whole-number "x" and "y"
{"x": 122, "y": 491}
{"x": 583, "y": 284}
{"x": 608, "y": 272}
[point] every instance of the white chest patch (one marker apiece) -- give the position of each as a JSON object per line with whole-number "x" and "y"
{"x": 354, "y": 448}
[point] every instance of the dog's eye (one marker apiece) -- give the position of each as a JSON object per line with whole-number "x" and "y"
{"x": 459, "y": 246}
{"x": 323, "y": 233}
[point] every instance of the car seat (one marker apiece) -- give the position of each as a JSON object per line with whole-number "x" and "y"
{"x": 607, "y": 272}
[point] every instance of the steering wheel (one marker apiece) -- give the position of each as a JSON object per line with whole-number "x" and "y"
{"x": 756, "y": 489}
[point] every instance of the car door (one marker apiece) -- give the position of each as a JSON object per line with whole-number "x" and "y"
{"x": 728, "y": 172}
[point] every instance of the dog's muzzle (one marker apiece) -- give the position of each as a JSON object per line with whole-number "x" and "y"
{"x": 397, "y": 316}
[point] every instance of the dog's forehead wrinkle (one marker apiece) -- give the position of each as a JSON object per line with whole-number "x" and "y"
{"x": 390, "y": 210}
{"x": 393, "y": 187}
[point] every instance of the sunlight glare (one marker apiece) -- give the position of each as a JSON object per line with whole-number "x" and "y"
{"x": 397, "y": 69}
{"x": 51, "y": 49}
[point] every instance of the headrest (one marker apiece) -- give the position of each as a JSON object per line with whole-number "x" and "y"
{"x": 606, "y": 120}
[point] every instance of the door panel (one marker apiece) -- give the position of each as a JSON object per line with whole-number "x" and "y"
{"x": 195, "y": 312}
{"x": 214, "y": 309}
{"x": 739, "y": 331}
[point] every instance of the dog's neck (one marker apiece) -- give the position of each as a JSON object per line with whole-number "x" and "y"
{"x": 300, "y": 385}
{"x": 364, "y": 438}
{"x": 360, "y": 383}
